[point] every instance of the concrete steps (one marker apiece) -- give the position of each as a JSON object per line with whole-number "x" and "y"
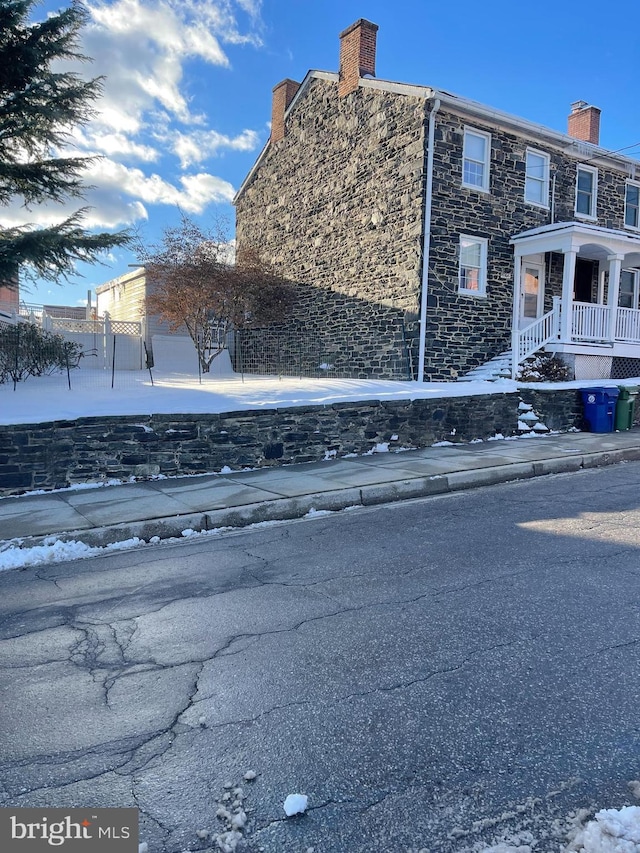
{"x": 499, "y": 367}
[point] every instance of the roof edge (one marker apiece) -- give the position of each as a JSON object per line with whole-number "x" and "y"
{"x": 331, "y": 76}
{"x": 581, "y": 149}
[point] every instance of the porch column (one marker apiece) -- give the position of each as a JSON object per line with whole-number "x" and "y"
{"x": 568, "y": 276}
{"x": 517, "y": 286}
{"x": 615, "y": 268}
{"x": 601, "y": 272}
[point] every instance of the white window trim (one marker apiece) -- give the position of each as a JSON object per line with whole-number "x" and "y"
{"x": 487, "y": 158}
{"x": 482, "y": 288}
{"x": 545, "y": 180}
{"x": 593, "y": 216}
{"x": 636, "y": 284}
{"x": 631, "y": 227}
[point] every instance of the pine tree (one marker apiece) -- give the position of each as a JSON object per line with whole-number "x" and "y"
{"x": 39, "y": 104}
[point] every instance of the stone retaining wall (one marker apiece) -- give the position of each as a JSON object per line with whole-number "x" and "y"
{"x": 60, "y": 453}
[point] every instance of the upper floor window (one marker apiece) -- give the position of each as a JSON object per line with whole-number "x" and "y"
{"x": 475, "y": 159}
{"x": 632, "y": 205}
{"x": 586, "y": 191}
{"x": 473, "y": 265}
{"x": 536, "y": 182}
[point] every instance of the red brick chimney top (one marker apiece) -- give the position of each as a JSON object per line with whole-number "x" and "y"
{"x": 283, "y": 94}
{"x": 357, "y": 55}
{"x": 584, "y": 122}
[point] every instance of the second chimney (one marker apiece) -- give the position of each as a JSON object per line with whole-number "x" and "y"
{"x": 283, "y": 94}
{"x": 584, "y": 122}
{"x": 357, "y": 55}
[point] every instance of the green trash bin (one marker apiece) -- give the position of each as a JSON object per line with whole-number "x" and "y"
{"x": 625, "y": 407}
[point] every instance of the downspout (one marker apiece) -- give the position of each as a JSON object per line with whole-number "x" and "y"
{"x": 426, "y": 244}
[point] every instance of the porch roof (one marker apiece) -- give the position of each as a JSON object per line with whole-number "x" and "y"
{"x": 591, "y": 240}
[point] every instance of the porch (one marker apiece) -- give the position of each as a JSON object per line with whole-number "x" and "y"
{"x": 576, "y": 291}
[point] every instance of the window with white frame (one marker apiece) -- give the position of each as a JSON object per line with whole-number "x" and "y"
{"x": 475, "y": 159}
{"x": 473, "y": 265}
{"x": 586, "y": 191}
{"x": 632, "y": 205}
{"x": 536, "y": 182}
{"x": 628, "y": 294}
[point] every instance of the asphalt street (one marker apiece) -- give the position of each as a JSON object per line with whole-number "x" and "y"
{"x": 431, "y": 674}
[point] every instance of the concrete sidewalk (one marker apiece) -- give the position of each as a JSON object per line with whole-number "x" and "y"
{"x": 164, "y": 508}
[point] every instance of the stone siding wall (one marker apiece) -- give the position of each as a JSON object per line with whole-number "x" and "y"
{"x": 337, "y": 205}
{"x": 58, "y": 454}
{"x": 464, "y": 331}
{"x": 359, "y": 339}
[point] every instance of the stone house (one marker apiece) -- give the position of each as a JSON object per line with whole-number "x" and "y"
{"x": 430, "y": 234}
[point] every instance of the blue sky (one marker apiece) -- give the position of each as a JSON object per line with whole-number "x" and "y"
{"x": 187, "y": 99}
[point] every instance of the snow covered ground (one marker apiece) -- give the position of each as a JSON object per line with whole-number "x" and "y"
{"x": 47, "y": 398}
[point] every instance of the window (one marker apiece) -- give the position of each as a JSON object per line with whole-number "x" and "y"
{"x": 473, "y": 265}
{"x": 586, "y": 191}
{"x": 628, "y": 295}
{"x": 475, "y": 159}
{"x": 632, "y": 206}
{"x": 536, "y": 182}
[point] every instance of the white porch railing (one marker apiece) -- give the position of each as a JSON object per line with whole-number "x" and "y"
{"x": 590, "y": 322}
{"x": 534, "y": 336}
{"x": 628, "y": 325}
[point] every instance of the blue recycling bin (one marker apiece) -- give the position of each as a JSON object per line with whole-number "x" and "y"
{"x": 600, "y": 408}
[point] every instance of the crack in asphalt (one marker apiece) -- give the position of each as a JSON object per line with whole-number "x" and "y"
{"x": 119, "y": 758}
{"x": 166, "y": 830}
{"x": 401, "y": 685}
{"x": 128, "y": 756}
{"x": 611, "y": 648}
{"x": 280, "y": 820}
{"x": 54, "y": 581}
{"x": 88, "y": 649}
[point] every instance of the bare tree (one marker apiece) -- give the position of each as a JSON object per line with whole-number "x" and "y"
{"x": 196, "y": 283}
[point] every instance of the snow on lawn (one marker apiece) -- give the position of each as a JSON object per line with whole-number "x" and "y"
{"x": 47, "y": 398}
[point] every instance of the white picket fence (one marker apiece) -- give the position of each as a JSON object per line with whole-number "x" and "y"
{"x": 107, "y": 343}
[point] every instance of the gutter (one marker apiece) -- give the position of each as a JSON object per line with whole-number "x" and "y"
{"x": 426, "y": 241}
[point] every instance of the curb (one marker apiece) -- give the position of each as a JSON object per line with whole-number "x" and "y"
{"x": 289, "y": 509}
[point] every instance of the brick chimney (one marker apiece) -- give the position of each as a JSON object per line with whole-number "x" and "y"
{"x": 584, "y": 122}
{"x": 357, "y": 55}
{"x": 283, "y": 94}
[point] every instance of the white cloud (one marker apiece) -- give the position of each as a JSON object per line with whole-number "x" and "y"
{"x": 106, "y": 210}
{"x": 194, "y": 194}
{"x": 104, "y": 141}
{"x": 141, "y": 47}
{"x": 119, "y": 196}
{"x": 199, "y": 145}
{"x": 145, "y": 115}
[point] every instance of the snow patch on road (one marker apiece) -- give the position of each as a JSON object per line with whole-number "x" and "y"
{"x": 14, "y": 557}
